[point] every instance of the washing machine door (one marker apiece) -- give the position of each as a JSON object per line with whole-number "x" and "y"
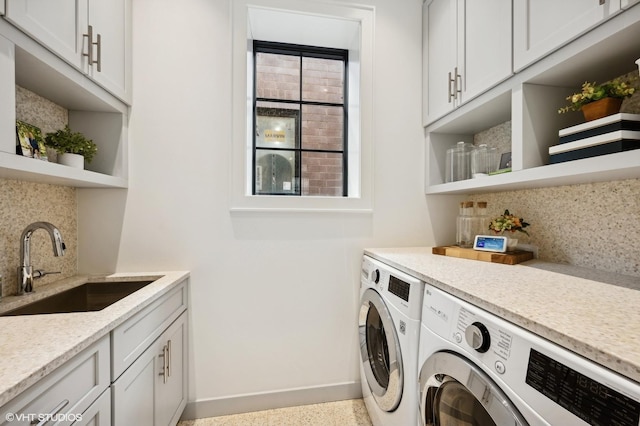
{"x": 380, "y": 351}
{"x": 454, "y": 391}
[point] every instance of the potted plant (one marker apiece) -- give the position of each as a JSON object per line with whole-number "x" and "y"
{"x": 597, "y": 101}
{"x": 507, "y": 225}
{"x": 73, "y": 148}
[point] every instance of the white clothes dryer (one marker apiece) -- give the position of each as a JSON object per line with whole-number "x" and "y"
{"x": 478, "y": 369}
{"x": 389, "y": 328}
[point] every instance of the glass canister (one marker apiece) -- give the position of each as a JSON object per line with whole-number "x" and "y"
{"x": 481, "y": 224}
{"x": 458, "y": 162}
{"x": 465, "y": 225}
{"x": 484, "y": 160}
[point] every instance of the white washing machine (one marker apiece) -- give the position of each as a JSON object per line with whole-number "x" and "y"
{"x": 389, "y": 327}
{"x": 477, "y": 369}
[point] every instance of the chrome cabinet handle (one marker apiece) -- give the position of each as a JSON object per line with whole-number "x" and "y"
{"x": 89, "y": 36}
{"x": 169, "y": 358}
{"x": 451, "y": 92}
{"x": 458, "y": 87}
{"x": 98, "y": 62}
{"x": 602, "y": 2}
{"x": 91, "y": 43}
{"x": 51, "y": 415}
{"x": 165, "y": 356}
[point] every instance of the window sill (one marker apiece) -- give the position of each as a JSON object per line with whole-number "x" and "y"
{"x": 277, "y": 204}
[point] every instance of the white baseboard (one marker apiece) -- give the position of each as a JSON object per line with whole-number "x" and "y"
{"x": 270, "y": 400}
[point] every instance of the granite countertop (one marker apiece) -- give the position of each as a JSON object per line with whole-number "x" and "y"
{"x": 593, "y": 313}
{"x": 32, "y": 346}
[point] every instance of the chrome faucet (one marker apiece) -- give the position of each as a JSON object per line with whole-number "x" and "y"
{"x": 26, "y": 275}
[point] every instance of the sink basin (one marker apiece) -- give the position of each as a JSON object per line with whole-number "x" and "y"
{"x": 91, "y": 296}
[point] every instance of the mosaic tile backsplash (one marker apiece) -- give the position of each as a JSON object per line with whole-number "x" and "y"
{"x": 22, "y": 203}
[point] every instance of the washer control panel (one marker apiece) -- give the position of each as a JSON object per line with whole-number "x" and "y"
{"x": 468, "y": 329}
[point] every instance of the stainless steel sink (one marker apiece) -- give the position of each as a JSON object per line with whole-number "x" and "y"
{"x": 91, "y": 296}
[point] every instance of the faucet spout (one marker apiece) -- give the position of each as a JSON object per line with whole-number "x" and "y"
{"x": 25, "y": 272}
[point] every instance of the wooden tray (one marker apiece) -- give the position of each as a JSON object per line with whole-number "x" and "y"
{"x": 508, "y": 258}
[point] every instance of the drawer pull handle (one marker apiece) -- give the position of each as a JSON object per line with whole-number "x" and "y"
{"x": 166, "y": 362}
{"x": 52, "y": 414}
{"x": 169, "y": 358}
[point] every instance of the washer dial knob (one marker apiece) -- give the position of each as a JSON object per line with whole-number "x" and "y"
{"x": 375, "y": 276}
{"x": 478, "y": 337}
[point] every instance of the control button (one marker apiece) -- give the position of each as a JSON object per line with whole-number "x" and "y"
{"x": 500, "y": 367}
{"x": 457, "y": 337}
{"x": 375, "y": 276}
{"x": 478, "y": 337}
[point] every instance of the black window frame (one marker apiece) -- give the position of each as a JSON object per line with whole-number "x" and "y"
{"x": 311, "y": 52}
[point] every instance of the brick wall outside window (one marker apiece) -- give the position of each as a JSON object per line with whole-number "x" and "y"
{"x": 322, "y": 126}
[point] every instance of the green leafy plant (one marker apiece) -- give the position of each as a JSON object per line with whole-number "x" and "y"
{"x": 508, "y": 223}
{"x": 616, "y": 88}
{"x": 66, "y": 141}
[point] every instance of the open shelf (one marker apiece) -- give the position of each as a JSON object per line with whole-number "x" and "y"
{"x": 91, "y": 110}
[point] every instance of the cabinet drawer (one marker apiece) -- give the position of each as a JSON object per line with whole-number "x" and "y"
{"x": 133, "y": 337}
{"x": 67, "y": 392}
{"x": 99, "y": 413}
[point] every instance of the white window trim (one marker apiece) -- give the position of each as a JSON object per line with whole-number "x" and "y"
{"x": 360, "y": 149}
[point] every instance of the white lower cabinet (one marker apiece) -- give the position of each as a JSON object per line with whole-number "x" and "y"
{"x": 153, "y": 390}
{"x": 65, "y": 395}
{"x": 135, "y": 375}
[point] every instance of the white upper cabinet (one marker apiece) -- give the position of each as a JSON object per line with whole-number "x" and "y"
{"x": 466, "y": 51}
{"x": 111, "y": 21}
{"x": 92, "y": 35}
{"x": 628, "y": 3}
{"x": 58, "y": 24}
{"x": 541, "y": 26}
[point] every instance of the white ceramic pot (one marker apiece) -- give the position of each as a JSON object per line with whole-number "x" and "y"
{"x": 72, "y": 160}
{"x": 638, "y": 63}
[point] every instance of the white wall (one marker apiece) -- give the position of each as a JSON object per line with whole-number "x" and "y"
{"x": 273, "y": 295}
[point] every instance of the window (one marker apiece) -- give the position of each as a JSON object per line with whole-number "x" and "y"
{"x": 332, "y": 28}
{"x": 300, "y": 116}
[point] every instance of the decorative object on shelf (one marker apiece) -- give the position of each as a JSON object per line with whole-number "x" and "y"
{"x": 507, "y": 225}
{"x": 505, "y": 164}
{"x": 638, "y": 64}
{"x": 597, "y": 101}
{"x": 29, "y": 141}
{"x": 607, "y": 135}
{"x": 65, "y": 141}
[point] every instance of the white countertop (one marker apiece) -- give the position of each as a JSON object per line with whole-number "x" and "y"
{"x": 595, "y": 314}
{"x": 32, "y": 346}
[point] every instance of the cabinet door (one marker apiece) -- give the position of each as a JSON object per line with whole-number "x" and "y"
{"x": 99, "y": 413}
{"x": 111, "y": 20}
{"x": 153, "y": 391}
{"x": 132, "y": 394}
{"x": 484, "y": 45}
{"x": 541, "y": 26}
{"x": 439, "y": 57}
{"x": 57, "y": 24}
{"x": 628, "y": 3}
{"x": 171, "y": 388}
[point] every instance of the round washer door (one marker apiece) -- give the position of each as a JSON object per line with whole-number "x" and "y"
{"x": 455, "y": 391}
{"x": 380, "y": 351}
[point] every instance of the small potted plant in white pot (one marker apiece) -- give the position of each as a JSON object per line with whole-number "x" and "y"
{"x": 73, "y": 148}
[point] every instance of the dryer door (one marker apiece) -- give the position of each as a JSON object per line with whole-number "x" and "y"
{"x": 455, "y": 391}
{"x": 380, "y": 351}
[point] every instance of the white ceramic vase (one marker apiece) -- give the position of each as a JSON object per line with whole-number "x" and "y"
{"x": 71, "y": 160}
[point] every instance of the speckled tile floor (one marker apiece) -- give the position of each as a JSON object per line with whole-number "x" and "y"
{"x": 342, "y": 413}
